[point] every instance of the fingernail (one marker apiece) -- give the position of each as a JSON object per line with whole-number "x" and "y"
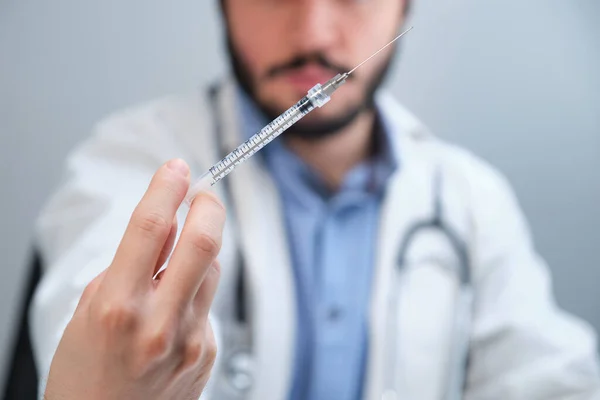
{"x": 179, "y": 166}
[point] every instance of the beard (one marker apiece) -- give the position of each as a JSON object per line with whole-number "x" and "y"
{"x": 308, "y": 129}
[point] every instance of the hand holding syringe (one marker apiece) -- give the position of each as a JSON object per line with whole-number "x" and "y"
{"x": 318, "y": 96}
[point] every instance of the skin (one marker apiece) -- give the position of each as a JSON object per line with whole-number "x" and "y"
{"x": 138, "y": 337}
{"x": 268, "y": 34}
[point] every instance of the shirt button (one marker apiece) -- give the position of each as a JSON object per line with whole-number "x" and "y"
{"x": 334, "y": 314}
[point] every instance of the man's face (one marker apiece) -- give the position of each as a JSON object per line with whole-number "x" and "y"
{"x": 282, "y": 48}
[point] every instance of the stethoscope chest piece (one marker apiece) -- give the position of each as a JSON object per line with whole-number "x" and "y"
{"x": 238, "y": 371}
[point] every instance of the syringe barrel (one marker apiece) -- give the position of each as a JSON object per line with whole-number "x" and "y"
{"x": 250, "y": 147}
{"x": 318, "y": 96}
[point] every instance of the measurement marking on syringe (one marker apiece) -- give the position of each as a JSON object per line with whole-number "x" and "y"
{"x": 255, "y": 141}
{"x": 254, "y": 144}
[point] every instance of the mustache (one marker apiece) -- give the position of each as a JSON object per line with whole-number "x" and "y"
{"x": 301, "y": 61}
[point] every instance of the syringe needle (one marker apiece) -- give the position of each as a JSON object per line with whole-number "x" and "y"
{"x": 380, "y": 50}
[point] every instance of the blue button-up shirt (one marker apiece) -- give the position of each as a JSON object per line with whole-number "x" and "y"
{"x": 332, "y": 239}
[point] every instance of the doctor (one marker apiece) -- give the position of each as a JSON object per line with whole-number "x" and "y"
{"x": 362, "y": 257}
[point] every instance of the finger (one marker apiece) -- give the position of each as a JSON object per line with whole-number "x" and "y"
{"x": 150, "y": 225}
{"x": 206, "y": 292}
{"x": 167, "y": 248}
{"x": 198, "y": 246}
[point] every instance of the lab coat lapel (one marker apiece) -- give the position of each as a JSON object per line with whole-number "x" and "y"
{"x": 270, "y": 278}
{"x": 407, "y": 360}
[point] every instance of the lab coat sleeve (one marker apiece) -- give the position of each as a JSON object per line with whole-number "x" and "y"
{"x": 523, "y": 345}
{"x": 79, "y": 229}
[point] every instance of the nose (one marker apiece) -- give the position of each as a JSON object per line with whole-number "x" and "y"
{"x": 314, "y": 23}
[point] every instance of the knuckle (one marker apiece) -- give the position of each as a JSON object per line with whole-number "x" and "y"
{"x": 208, "y": 360}
{"x": 206, "y": 245}
{"x": 210, "y": 351}
{"x": 117, "y": 316}
{"x": 197, "y": 354}
{"x": 210, "y": 346}
{"x": 193, "y": 351}
{"x": 156, "y": 344}
{"x": 206, "y": 357}
{"x": 152, "y": 224}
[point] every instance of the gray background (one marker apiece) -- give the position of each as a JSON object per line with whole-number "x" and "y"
{"x": 516, "y": 81}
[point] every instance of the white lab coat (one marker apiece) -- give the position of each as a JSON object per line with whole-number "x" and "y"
{"x": 521, "y": 346}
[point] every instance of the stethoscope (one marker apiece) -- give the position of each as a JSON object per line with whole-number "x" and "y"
{"x": 458, "y": 359}
{"x": 238, "y": 362}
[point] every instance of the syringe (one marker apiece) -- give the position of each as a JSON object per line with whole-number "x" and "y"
{"x": 318, "y": 96}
